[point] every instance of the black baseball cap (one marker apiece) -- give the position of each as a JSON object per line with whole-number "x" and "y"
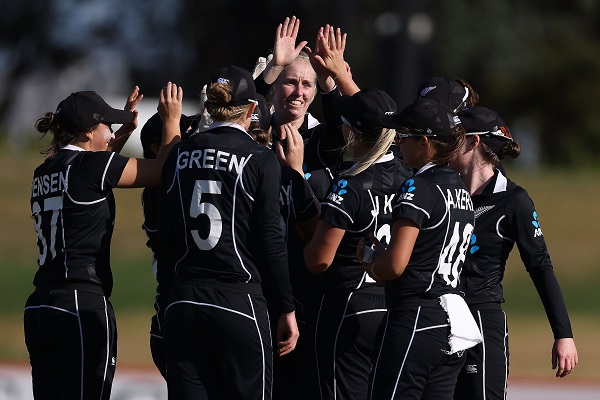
{"x": 487, "y": 124}
{"x": 447, "y": 90}
{"x": 151, "y": 132}
{"x": 262, "y": 114}
{"x": 431, "y": 116}
{"x": 82, "y": 110}
{"x": 242, "y": 84}
{"x": 364, "y": 111}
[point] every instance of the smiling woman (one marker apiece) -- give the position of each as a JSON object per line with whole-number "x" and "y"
{"x": 73, "y": 209}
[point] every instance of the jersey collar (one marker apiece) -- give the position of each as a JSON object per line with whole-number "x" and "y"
{"x": 218, "y": 124}
{"x": 425, "y": 168}
{"x": 71, "y": 147}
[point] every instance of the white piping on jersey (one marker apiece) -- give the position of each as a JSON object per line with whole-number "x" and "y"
{"x": 413, "y": 206}
{"x": 242, "y": 165}
{"x": 447, "y": 213}
{"x": 498, "y": 228}
{"x": 176, "y": 175}
{"x": 197, "y": 303}
{"x": 501, "y": 183}
{"x": 106, "y": 169}
{"x": 374, "y": 214}
{"x": 187, "y": 247}
{"x": 85, "y": 203}
{"x": 339, "y": 209}
{"x": 425, "y": 168}
{"x": 235, "y": 186}
{"x": 62, "y": 232}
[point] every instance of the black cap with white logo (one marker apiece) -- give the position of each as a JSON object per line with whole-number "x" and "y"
{"x": 365, "y": 110}
{"x": 243, "y": 89}
{"x": 429, "y": 116}
{"x": 83, "y": 110}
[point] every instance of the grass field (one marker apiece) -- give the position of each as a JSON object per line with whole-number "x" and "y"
{"x": 564, "y": 200}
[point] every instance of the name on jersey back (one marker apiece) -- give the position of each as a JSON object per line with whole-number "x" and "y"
{"x": 49, "y": 183}
{"x": 211, "y": 159}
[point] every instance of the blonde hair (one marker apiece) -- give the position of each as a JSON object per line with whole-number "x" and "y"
{"x": 378, "y": 148}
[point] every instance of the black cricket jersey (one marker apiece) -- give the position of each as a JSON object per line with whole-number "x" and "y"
{"x": 163, "y": 273}
{"x": 297, "y": 205}
{"x": 360, "y": 205}
{"x": 73, "y": 209}
{"x": 505, "y": 215}
{"x": 438, "y": 202}
{"x": 220, "y": 217}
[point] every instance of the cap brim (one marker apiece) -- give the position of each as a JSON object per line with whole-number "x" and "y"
{"x": 114, "y": 116}
{"x": 391, "y": 121}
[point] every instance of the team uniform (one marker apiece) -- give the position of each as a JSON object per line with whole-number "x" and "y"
{"x": 505, "y": 215}
{"x": 220, "y": 226}
{"x": 414, "y": 359}
{"x": 322, "y": 145}
{"x": 163, "y": 274}
{"x": 70, "y": 327}
{"x": 290, "y": 375}
{"x": 351, "y": 305}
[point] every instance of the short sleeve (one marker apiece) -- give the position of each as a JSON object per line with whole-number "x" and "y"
{"x": 414, "y": 201}
{"x": 102, "y": 170}
{"x": 340, "y": 204}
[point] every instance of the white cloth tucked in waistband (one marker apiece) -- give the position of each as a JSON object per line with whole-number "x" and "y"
{"x": 464, "y": 332}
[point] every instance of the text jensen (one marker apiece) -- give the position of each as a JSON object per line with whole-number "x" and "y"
{"x": 50, "y": 183}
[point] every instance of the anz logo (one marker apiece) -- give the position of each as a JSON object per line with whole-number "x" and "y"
{"x": 338, "y": 191}
{"x": 474, "y": 247}
{"x": 407, "y": 189}
{"x": 536, "y": 224}
{"x": 307, "y": 175}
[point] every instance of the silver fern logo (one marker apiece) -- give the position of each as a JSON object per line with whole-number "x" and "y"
{"x": 481, "y": 210}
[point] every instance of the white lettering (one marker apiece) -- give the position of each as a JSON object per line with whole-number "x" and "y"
{"x": 223, "y": 161}
{"x": 45, "y": 184}
{"x": 387, "y": 204}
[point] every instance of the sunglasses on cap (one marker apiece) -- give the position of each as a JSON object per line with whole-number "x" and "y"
{"x": 501, "y": 133}
{"x": 401, "y": 135}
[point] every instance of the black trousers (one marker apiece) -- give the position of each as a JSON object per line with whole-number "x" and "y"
{"x": 485, "y": 373}
{"x": 412, "y": 360}
{"x": 218, "y": 344}
{"x": 71, "y": 337}
{"x": 157, "y": 343}
{"x": 345, "y": 337}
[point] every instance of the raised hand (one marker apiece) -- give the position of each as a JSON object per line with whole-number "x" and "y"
{"x": 285, "y": 49}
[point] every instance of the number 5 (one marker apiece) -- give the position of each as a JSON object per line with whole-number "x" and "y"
{"x": 208, "y": 209}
